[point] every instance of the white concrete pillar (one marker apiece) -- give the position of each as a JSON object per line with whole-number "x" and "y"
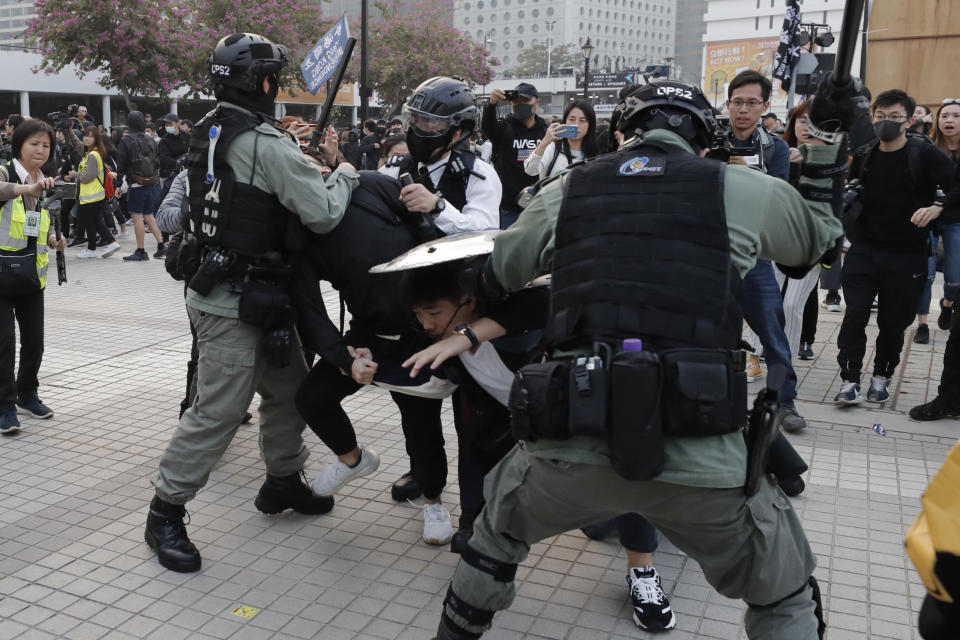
{"x": 173, "y": 107}
{"x": 25, "y": 103}
{"x": 105, "y": 107}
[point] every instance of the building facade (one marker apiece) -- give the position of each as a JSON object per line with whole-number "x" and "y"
{"x": 626, "y": 34}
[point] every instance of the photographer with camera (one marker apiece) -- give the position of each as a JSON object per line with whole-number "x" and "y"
{"x": 573, "y": 139}
{"x": 26, "y": 234}
{"x": 514, "y": 139}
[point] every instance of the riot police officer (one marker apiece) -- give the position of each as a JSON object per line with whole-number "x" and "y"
{"x": 630, "y": 238}
{"x": 250, "y": 190}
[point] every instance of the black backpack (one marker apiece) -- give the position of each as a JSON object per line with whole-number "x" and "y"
{"x": 144, "y": 166}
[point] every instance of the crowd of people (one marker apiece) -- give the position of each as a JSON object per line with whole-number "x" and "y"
{"x": 633, "y": 217}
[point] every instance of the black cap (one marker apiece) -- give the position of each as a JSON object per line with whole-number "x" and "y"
{"x": 170, "y": 117}
{"x": 769, "y": 115}
{"x": 527, "y": 90}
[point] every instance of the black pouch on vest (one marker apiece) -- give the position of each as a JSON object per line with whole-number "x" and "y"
{"x": 18, "y": 274}
{"x": 264, "y": 305}
{"x": 636, "y": 435}
{"x": 588, "y": 397}
{"x": 538, "y": 401}
{"x": 698, "y": 394}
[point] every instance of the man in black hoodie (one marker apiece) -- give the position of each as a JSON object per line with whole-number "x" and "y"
{"x": 172, "y": 145}
{"x": 139, "y": 163}
{"x": 514, "y": 138}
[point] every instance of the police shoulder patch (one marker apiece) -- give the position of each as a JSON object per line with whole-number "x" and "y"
{"x": 643, "y": 165}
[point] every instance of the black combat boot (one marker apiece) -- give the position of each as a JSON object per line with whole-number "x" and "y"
{"x": 406, "y": 488}
{"x": 167, "y": 536}
{"x": 290, "y": 492}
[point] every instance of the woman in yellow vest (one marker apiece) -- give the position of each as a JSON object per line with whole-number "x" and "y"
{"x": 90, "y": 175}
{"x": 25, "y": 235}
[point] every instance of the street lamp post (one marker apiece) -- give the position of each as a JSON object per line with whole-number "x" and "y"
{"x": 486, "y": 39}
{"x": 550, "y": 24}
{"x": 587, "y": 50}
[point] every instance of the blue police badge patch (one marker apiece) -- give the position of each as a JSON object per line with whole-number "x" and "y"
{"x": 643, "y": 165}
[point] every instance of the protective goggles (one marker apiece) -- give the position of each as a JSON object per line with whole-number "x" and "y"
{"x": 426, "y": 125}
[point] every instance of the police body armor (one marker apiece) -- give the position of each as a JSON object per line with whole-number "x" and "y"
{"x": 641, "y": 252}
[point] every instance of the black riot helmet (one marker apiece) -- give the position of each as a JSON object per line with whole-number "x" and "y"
{"x": 437, "y": 109}
{"x": 665, "y": 104}
{"x": 240, "y": 62}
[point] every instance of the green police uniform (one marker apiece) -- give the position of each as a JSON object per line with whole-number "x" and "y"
{"x": 752, "y": 548}
{"x": 231, "y": 367}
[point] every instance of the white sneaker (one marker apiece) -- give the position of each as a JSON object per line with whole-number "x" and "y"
{"x": 110, "y": 249}
{"x": 86, "y": 253}
{"x": 334, "y": 476}
{"x": 123, "y": 235}
{"x": 437, "y": 528}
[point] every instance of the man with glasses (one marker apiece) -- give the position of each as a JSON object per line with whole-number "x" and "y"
{"x": 748, "y": 98}
{"x": 891, "y": 243}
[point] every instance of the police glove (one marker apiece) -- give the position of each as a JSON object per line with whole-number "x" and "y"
{"x": 836, "y": 107}
{"x": 276, "y": 346}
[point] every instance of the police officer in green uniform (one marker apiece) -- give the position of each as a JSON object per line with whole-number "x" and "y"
{"x": 630, "y": 239}
{"x": 251, "y": 193}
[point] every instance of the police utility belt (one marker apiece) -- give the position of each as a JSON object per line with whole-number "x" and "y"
{"x": 632, "y": 399}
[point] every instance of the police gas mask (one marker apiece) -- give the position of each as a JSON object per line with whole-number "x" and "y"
{"x": 428, "y": 135}
{"x": 888, "y": 130}
{"x": 427, "y": 149}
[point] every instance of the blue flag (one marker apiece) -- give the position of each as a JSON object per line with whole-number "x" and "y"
{"x": 323, "y": 59}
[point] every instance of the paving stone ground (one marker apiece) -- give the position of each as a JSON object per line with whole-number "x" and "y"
{"x": 75, "y": 489}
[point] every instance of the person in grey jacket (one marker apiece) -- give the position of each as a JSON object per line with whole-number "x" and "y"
{"x": 168, "y": 215}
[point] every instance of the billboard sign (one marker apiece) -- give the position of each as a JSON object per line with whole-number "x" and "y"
{"x": 724, "y": 60}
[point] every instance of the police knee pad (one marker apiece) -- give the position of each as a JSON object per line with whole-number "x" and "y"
{"x": 473, "y": 616}
{"x": 817, "y": 609}
{"x": 501, "y": 571}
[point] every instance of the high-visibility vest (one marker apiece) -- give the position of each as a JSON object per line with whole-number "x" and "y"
{"x": 13, "y": 220}
{"x": 92, "y": 191}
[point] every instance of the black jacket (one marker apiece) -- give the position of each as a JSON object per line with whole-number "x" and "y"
{"x": 376, "y": 228}
{"x": 170, "y": 148}
{"x": 512, "y": 145}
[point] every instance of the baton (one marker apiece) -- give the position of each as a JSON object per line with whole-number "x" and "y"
{"x": 332, "y": 94}
{"x": 849, "y": 34}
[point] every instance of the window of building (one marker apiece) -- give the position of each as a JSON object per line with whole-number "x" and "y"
{"x": 521, "y": 15}
{"x": 536, "y": 27}
{"x": 534, "y": 42}
{"x": 479, "y": 4}
{"x": 466, "y": 6}
{"x": 506, "y": 31}
{"x": 520, "y": 29}
{"x": 536, "y": 12}
{"x": 506, "y": 46}
{"x": 466, "y": 20}
{"x": 493, "y": 3}
{"x": 506, "y": 60}
{"x": 519, "y": 44}
{"x": 771, "y": 23}
{"x": 506, "y": 16}
{"x": 549, "y": 11}
{"x": 756, "y": 23}
{"x": 479, "y": 19}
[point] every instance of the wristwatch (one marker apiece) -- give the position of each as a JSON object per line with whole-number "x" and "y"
{"x": 439, "y": 207}
{"x": 464, "y": 329}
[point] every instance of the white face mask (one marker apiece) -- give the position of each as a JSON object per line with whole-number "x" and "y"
{"x": 170, "y": 129}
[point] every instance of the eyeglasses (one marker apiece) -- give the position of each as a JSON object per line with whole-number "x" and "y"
{"x": 893, "y": 117}
{"x": 951, "y": 101}
{"x": 738, "y": 103}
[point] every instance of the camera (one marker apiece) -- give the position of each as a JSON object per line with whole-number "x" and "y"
{"x": 511, "y": 94}
{"x": 721, "y": 149}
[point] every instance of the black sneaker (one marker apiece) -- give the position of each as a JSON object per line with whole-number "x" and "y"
{"x": 922, "y": 336}
{"x": 946, "y": 316}
{"x": 34, "y": 408}
{"x": 651, "y": 609}
{"x": 460, "y": 539}
{"x": 936, "y": 409}
{"x": 9, "y": 423}
{"x": 76, "y": 242}
{"x": 161, "y": 251}
{"x": 137, "y": 256}
{"x": 832, "y": 301}
{"x": 805, "y": 352}
{"x": 406, "y": 488}
{"x": 791, "y": 485}
{"x": 290, "y": 492}
{"x": 167, "y": 535}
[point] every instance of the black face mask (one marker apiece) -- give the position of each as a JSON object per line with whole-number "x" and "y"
{"x": 522, "y": 111}
{"x": 887, "y": 130}
{"x": 426, "y": 150}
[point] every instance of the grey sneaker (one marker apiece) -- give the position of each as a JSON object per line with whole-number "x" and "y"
{"x": 849, "y": 395}
{"x": 790, "y": 419}
{"x": 879, "y": 389}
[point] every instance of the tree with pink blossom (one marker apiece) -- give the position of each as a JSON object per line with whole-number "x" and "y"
{"x": 407, "y": 47}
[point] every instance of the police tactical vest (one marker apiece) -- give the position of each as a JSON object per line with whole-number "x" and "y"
{"x": 453, "y": 180}
{"x": 642, "y": 251}
{"x": 228, "y": 213}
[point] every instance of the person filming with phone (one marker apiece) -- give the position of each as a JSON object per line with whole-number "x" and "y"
{"x": 573, "y": 139}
